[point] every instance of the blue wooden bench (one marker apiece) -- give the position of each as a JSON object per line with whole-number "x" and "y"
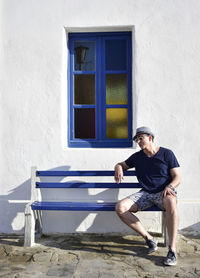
{"x": 36, "y": 205}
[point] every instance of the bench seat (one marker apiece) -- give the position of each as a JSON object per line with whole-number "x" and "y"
{"x": 79, "y": 206}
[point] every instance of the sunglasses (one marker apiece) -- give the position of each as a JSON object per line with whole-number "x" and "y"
{"x": 140, "y": 138}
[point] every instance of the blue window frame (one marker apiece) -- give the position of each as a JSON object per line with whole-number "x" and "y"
{"x": 100, "y": 90}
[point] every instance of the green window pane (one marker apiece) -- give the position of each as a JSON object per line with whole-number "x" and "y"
{"x": 84, "y": 89}
{"x": 116, "y": 123}
{"x": 116, "y": 89}
{"x": 84, "y": 55}
{"x": 84, "y": 123}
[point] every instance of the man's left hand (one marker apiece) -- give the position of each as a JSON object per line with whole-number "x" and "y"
{"x": 168, "y": 191}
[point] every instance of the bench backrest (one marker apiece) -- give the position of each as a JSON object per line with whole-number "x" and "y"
{"x": 41, "y": 181}
{"x": 88, "y": 173}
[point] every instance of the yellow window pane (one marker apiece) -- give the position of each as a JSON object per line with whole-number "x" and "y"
{"x": 116, "y": 123}
{"x": 116, "y": 89}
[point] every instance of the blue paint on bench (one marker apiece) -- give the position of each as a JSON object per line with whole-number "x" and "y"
{"x": 79, "y": 206}
{"x": 85, "y": 185}
{"x": 80, "y": 173}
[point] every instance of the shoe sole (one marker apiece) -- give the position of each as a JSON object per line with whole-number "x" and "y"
{"x": 153, "y": 250}
{"x": 170, "y": 264}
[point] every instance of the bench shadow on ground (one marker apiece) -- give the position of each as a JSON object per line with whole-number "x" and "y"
{"x": 111, "y": 246}
{"x": 10, "y": 239}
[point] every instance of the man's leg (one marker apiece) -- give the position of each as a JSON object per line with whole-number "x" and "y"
{"x": 172, "y": 219}
{"x": 125, "y": 209}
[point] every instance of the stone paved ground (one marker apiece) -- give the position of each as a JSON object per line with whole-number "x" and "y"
{"x": 95, "y": 256}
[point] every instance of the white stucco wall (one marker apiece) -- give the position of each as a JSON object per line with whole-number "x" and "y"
{"x": 33, "y": 105}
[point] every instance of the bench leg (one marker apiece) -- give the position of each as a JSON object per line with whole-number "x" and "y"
{"x": 164, "y": 230}
{"x": 38, "y": 222}
{"x": 29, "y": 232}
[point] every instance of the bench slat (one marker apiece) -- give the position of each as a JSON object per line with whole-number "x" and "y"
{"x": 79, "y": 206}
{"x": 80, "y": 173}
{"x": 86, "y": 185}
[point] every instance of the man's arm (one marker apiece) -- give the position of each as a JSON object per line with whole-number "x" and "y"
{"x": 176, "y": 179}
{"x": 119, "y": 168}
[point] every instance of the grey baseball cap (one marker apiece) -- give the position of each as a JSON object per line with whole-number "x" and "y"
{"x": 143, "y": 130}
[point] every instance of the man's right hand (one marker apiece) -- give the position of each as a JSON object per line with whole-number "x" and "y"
{"x": 119, "y": 175}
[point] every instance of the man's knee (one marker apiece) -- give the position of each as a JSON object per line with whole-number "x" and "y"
{"x": 120, "y": 208}
{"x": 124, "y": 206}
{"x": 170, "y": 202}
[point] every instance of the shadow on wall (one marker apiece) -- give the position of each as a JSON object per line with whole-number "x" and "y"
{"x": 192, "y": 230}
{"x": 12, "y": 208}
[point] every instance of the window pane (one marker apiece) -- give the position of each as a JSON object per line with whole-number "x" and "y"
{"x": 116, "y": 123}
{"x": 84, "y": 52}
{"x": 84, "y": 123}
{"x": 116, "y": 89}
{"x": 115, "y": 55}
{"x": 84, "y": 89}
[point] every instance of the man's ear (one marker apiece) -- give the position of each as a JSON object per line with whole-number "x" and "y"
{"x": 151, "y": 137}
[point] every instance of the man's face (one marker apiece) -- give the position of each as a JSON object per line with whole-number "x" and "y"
{"x": 143, "y": 140}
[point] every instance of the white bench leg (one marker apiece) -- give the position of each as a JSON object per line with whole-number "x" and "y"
{"x": 164, "y": 230}
{"x": 38, "y": 222}
{"x": 29, "y": 233}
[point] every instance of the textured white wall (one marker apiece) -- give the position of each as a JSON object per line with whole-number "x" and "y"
{"x": 33, "y": 104}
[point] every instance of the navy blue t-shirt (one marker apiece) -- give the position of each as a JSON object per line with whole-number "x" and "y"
{"x": 153, "y": 173}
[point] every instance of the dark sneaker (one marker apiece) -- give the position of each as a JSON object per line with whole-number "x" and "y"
{"x": 152, "y": 243}
{"x": 171, "y": 258}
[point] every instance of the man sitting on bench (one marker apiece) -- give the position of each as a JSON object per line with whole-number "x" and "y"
{"x": 157, "y": 171}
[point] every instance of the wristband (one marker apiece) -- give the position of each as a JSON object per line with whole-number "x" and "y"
{"x": 171, "y": 187}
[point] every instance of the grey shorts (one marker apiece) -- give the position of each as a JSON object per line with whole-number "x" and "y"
{"x": 146, "y": 200}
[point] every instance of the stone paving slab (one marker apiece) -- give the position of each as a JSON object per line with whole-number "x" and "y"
{"x": 95, "y": 256}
